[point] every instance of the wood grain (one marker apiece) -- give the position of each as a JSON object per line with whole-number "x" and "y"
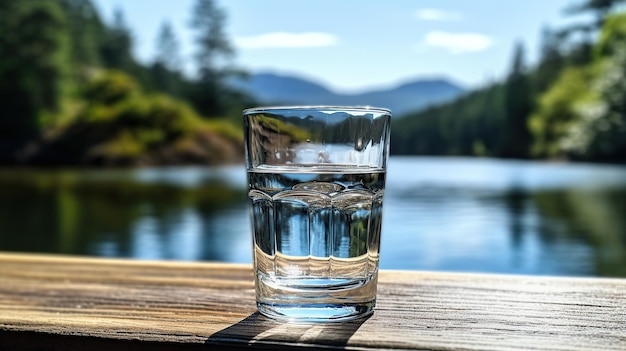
{"x": 70, "y": 303}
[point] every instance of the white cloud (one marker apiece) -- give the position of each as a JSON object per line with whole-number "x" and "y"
{"x": 287, "y": 40}
{"x": 437, "y": 15}
{"x": 458, "y": 43}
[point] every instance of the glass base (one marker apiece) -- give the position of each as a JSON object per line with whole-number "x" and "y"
{"x": 306, "y": 299}
{"x": 316, "y": 313}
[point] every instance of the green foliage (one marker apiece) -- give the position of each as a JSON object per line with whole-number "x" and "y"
{"x": 33, "y": 64}
{"x": 59, "y": 105}
{"x": 86, "y": 32}
{"x": 282, "y": 128}
{"x": 600, "y": 129}
{"x": 583, "y": 115}
{"x": 557, "y": 109}
{"x": 122, "y": 125}
{"x": 568, "y": 106}
{"x": 110, "y": 89}
{"x": 226, "y": 129}
{"x": 612, "y": 36}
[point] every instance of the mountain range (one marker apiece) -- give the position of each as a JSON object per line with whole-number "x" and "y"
{"x": 275, "y": 89}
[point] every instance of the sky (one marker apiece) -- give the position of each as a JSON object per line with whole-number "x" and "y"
{"x": 356, "y": 45}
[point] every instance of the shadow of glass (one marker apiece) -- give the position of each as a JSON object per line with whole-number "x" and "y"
{"x": 264, "y": 332}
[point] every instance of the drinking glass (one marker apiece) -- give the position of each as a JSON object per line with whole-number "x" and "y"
{"x": 316, "y": 180}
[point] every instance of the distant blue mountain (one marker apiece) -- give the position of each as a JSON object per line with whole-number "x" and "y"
{"x": 274, "y": 89}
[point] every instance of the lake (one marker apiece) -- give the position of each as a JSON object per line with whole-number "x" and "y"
{"x": 443, "y": 214}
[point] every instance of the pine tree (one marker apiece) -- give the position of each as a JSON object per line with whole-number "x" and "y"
{"x": 581, "y": 52}
{"x": 165, "y": 71}
{"x": 116, "y": 51}
{"x": 599, "y": 8}
{"x": 518, "y": 106}
{"x": 551, "y": 61}
{"x": 168, "y": 48}
{"x": 214, "y": 52}
{"x": 33, "y": 64}
{"x": 86, "y": 30}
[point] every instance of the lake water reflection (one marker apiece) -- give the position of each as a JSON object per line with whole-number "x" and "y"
{"x": 453, "y": 214}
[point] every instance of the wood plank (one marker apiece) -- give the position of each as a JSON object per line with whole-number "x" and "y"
{"x": 69, "y": 303}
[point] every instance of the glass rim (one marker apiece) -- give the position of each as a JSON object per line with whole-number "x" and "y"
{"x": 317, "y": 108}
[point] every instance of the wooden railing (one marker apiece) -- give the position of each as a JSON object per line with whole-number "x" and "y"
{"x": 69, "y": 303}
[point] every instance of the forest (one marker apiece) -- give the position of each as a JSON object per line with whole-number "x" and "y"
{"x": 571, "y": 105}
{"x": 73, "y": 94}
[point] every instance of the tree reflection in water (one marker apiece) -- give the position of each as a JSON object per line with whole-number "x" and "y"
{"x": 439, "y": 214}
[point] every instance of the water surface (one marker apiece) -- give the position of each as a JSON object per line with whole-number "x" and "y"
{"x": 452, "y": 214}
